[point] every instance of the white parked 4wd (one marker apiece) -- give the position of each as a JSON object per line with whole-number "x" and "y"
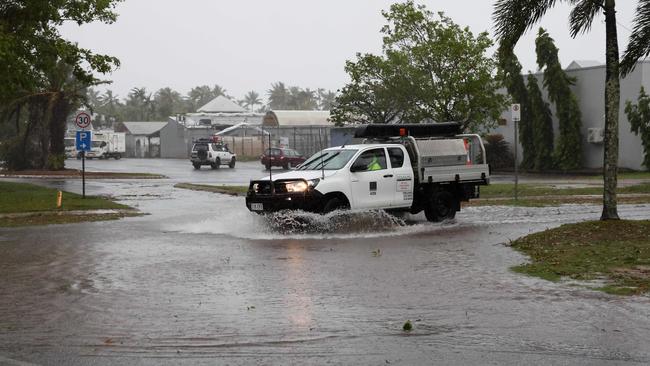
{"x": 207, "y": 152}
{"x": 412, "y": 168}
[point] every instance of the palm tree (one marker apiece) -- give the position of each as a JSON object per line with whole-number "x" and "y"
{"x": 138, "y": 103}
{"x": 201, "y": 95}
{"x": 326, "y": 99}
{"x": 251, "y": 99}
{"x": 168, "y": 102}
{"x": 218, "y": 90}
{"x": 278, "y": 96}
{"x": 110, "y": 104}
{"x": 514, "y": 17}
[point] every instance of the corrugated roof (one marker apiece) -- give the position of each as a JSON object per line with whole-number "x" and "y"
{"x": 144, "y": 128}
{"x": 301, "y": 118}
{"x": 221, "y": 104}
{"x": 240, "y": 125}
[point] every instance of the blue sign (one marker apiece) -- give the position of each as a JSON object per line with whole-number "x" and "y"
{"x": 83, "y": 140}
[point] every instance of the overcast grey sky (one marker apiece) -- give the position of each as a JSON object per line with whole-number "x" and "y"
{"x": 248, "y": 44}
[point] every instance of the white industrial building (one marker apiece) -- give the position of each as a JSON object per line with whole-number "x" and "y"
{"x": 589, "y": 89}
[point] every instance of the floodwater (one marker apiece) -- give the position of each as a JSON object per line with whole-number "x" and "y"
{"x": 200, "y": 280}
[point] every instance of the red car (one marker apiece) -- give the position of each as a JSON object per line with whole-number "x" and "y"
{"x": 285, "y": 158}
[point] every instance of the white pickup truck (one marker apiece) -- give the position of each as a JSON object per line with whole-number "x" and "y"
{"x": 412, "y": 168}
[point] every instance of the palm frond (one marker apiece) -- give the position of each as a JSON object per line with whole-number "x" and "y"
{"x": 512, "y": 18}
{"x": 583, "y": 14}
{"x": 639, "y": 45}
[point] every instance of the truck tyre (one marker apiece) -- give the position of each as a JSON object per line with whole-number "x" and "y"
{"x": 232, "y": 162}
{"x": 216, "y": 164}
{"x": 268, "y": 166}
{"x": 197, "y": 166}
{"x": 117, "y": 156}
{"x": 440, "y": 207}
{"x": 285, "y": 166}
{"x": 333, "y": 204}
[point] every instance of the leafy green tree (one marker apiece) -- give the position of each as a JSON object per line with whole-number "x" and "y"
{"x": 639, "y": 117}
{"x": 510, "y": 74}
{"x": 251, "y": 99}
{"x": 372, "y": 96}
{"x": 514, "y": 17}
{"x": 441, "y": 72}
{"x": 44, "y": 75}
{"x": 568, "y": 155}
{"x": 542, "y": 126}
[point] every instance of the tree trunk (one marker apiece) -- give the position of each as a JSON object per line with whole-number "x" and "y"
{"x": 59, "y": 109}
{"x": 612, "y": 105}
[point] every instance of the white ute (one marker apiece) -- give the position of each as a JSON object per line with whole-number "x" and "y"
{"x": 412, "y": 168}
{"x": 210, "y": 151}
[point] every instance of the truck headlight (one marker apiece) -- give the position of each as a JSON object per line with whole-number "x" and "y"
{"x": 301, "y": 185}
{"x": 297, "y": 186}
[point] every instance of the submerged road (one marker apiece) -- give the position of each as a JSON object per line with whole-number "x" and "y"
{"x": 200, "y": 280}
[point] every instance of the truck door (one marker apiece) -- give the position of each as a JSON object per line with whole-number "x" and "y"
{"x": 370, "y": 180}
{"x": 402, "y": 177}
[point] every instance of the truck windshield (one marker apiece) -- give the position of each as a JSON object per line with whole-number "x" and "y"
{"x": 97, "y": 143}
{"x": 328, "y": 160}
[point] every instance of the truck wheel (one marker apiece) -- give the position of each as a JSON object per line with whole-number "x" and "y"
{"x": 117, "y": 156}
{"x": 285, "y": 166}
{"x": 440, "y": 207}
{"x": 333, "y": 204}
{"x": 232, "y": 163}
{"x": 197, "y": 166}
{"x": 268, "y": 166}
{"x": 216, "y": 164}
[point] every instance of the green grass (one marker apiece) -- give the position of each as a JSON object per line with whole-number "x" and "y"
{"x": 626, "y": 175}
{"x": 506, "y": 190}
{"x": 24, "y": 197}
{"x": 61, "y": 218}
{"x": 231, "y": 190}
{"x": 618, "y": 251}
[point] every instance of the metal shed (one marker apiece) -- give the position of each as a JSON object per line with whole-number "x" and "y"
{"x": 305, "y": 131}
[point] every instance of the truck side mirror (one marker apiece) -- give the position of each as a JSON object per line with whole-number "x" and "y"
{"x": 358, "y": 166}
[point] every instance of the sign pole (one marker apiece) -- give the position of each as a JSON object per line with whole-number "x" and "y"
{"x": 515, "y": 109}
{"x": 83, "y": 174}
{"x": 83, "y": 140}
{"x": 516, "y": 165}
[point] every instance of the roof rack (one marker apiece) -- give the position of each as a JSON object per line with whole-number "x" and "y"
{"x": 416, "y": 130}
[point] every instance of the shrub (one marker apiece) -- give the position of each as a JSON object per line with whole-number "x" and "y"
{"x": 498, "y": 152}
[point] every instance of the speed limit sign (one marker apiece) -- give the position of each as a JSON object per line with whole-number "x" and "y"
{"x": 82, "y": 120}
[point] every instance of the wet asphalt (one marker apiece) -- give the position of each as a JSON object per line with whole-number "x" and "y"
{"x": 201, "y": 281}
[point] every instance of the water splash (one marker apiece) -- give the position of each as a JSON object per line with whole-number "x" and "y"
{"x": 337, "y": 222}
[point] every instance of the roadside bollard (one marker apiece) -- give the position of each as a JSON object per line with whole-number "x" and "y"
{"x": 59, "y": 198}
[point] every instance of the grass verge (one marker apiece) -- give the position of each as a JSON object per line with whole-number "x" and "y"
{"x": 62, "y": 218}
{"x": 231, "y": 190}
{"x": 616, "y": 251}
{"x": 506, "y": 190}
{"x": 537, "y": 195}
{"x": 24, "y": 197}
{"x": 76, "y": 174}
